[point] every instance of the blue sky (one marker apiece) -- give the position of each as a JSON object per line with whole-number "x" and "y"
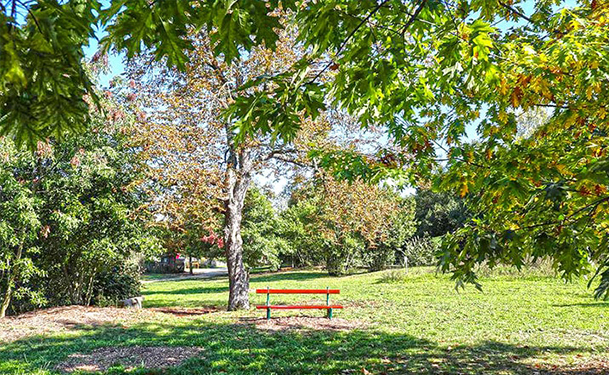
{"x": 115, "y": 61}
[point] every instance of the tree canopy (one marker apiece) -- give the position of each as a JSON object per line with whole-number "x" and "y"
{"x": 431, "y": 74}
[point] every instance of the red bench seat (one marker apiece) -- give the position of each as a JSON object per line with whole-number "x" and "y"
{"x": 268, "y": 307}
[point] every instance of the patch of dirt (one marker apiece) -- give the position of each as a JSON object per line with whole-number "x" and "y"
{"x": 306, "y": 323}
{"x": 68, "y": 318}
{"x": 130, "y": 357}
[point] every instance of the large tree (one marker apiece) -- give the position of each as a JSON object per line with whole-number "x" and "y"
{"x": 197, "y": 169}
{"x": 430, "y": 72}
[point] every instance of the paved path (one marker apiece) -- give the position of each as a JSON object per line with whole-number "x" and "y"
{"x": 199, "y": 273}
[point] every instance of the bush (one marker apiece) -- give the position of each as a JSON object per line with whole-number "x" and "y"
{"x": 420, "y": 251}
{"x": 119, "y": 283}
{"x": 344, "y": 257}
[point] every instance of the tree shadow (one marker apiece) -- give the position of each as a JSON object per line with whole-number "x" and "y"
{"x": 184, "y": 291}
{"x": 591, "y": 304}
{"x": 242, "y": 348}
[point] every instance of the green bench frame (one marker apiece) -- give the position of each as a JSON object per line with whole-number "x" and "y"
{"x": 268, "y": 307}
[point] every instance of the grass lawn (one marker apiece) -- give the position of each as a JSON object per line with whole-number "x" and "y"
{"x": 518, "y": 325}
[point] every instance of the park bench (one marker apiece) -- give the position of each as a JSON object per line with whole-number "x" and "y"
{"x": 269, "y": 307}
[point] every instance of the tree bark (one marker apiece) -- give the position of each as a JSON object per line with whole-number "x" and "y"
{"x": 238, "y": 179}
{"x": 7, "y": 295}
{"x": 11, "y": 277}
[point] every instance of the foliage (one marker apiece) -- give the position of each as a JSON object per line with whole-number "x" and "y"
{"x": 439, "y": 213}
{"x": 73, "y": 203}
{"x": 44, "y": 86}
{"x": 420, "y": 251}
{"x": 345, "y": 225}
{"x": 43, "y": 80}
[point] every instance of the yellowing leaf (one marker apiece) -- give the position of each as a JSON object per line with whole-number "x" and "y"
{"x": 464, "y": 190}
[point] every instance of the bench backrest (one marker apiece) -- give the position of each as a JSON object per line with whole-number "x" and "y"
{"x": 298, "y": 291}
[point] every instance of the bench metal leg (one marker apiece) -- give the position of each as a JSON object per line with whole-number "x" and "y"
{"x": 268, "y": 314}
{"x": 329, "y": 313}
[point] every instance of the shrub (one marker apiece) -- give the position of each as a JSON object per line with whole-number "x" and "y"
{"x": 420, "y": 251}
{"x": 119, "y": 283}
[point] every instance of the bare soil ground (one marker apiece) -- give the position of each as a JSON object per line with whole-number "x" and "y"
{"x": 129, "y": 357}
{"x": 69, "y": 318}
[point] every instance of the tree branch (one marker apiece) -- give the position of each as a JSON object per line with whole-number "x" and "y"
{"x": 346, "y": 40}
{"x": 516, "y": 12}
{"x": 414, "y": 16}
{"x": 593, "y": 206}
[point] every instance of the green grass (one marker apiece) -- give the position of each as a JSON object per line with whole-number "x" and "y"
{"x": 419, "y": 324}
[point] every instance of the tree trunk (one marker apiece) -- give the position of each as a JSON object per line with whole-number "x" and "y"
{"x": 238, "y": 180}
{"x": 190, "y": 264}
{"x": 10, "y": 278}
{"x": 8, "y": 294}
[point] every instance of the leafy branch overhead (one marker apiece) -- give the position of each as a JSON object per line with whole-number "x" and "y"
{"x": 502, "y": 102}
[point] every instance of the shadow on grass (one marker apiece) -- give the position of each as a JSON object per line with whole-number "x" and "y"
{"x": 243, "y": 349}
{"x": 197, "y": 290}
{"x": 599, "y": 305}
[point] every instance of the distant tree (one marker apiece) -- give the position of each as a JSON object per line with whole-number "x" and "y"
{"x": 390, "y": 247}
{"x": 342, "y": 225}
{"x": 438, "y": 213}
{"x": 262, "y": 241}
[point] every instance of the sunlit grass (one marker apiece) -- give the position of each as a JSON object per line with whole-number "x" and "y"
{"x": 418, "y": 323}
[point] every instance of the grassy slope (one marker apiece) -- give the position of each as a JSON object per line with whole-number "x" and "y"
{"x": 420, "y": 324}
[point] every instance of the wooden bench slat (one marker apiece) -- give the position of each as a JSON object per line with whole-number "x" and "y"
{"x": 289, "y": 307}
{"x": 298, "y": 291}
